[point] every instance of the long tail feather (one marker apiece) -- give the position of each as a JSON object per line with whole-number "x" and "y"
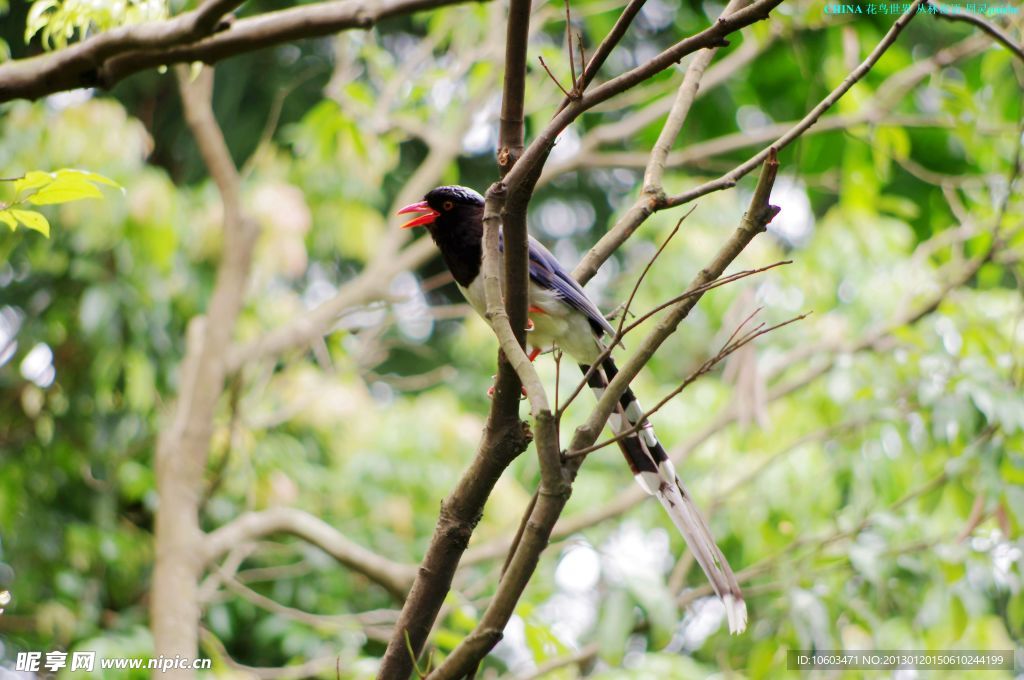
{"x": 654, "y": 472}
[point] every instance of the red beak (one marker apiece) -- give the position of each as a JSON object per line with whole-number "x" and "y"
{"x": 421, "y": 207}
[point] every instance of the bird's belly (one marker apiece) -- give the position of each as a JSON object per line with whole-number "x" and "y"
{"x": 555, "y": 324}
{"x": 568, "y": 329}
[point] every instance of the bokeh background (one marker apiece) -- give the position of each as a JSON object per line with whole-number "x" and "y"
{"x": 862, "y": 468}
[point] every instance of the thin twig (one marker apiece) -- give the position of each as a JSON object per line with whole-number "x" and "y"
{"x": 605, "y": 48}
{"x": 519, "y": 534}
{"x": 986, "y": 26}
{"x": 728, "y": 348}
{"x": 700, "y": 290}
{"x": 647, "y": 268}
{"x": 568, "y": 41}
{"x": 714, "y": 284}
{"x": 729, "y": 179}
{"x": 583, "y": 61}
{"x": 552, "y": 76}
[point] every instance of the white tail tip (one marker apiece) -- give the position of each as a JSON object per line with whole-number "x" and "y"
{"x": 736, "y": 613}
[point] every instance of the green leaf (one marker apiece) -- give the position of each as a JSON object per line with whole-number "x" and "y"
{"x": 32, "y": 180}
{"x": 85, "y": 174}
{"x": 63, "y": 191}
{"x": 37, "y": 18}
{"x": 33, "y": 220}
{"x": 7, "y": 218}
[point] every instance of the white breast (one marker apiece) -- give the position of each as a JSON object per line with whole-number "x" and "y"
{"x": 559, "y": 325}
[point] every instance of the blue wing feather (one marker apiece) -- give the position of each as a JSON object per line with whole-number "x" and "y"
{"x": 547, "y": 272}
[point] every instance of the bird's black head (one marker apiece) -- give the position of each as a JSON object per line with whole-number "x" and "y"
{"x": 454, "y": 217}
{"x": 445, "y": 209}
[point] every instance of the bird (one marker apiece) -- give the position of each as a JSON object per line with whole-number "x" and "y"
{"x": 561, "y": 314}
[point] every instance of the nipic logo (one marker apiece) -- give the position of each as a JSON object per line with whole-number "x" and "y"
{"x": 33, "y": 662}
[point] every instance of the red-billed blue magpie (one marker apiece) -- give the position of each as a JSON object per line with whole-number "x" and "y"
{"x": 562, "y": 315}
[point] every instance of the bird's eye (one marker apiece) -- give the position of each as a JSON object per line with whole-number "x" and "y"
{"x": 448, "y": 205}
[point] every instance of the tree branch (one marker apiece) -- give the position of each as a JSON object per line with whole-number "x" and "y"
{"x": 756, "y": 219}
{"x": 729, "y": 179}
{"x": 504, "y": 437}
{"x": 105, "y": 59}
{"x": 605, "y": 48}
{"x": 530, "y": 165}
{"x": 678, "y": 113}
{"x": 183, "y": 447}
{"x": 986, "y": 26}
{"x": 393, "y": 576}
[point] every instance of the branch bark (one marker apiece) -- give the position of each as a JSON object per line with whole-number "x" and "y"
{"x": 107, "y": 58}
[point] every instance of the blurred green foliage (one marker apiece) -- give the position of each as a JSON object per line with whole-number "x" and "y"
{"x": 58, "y": 22}
{"x": 879, "y": 503}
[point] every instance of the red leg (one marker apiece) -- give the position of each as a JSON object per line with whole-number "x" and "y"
{"x": 533, "y": 353}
